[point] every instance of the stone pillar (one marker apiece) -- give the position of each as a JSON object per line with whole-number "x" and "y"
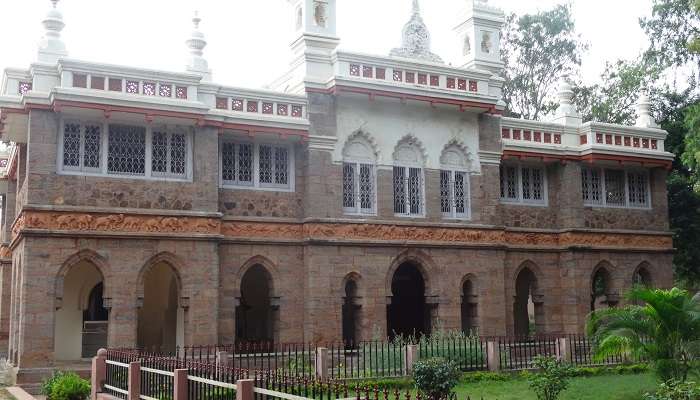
{"x": 411, "y": 356}
{"x": 123, "y": 321}
{"x": 222, "y": 359}
{"x": 180, "y": 384}
{"x": 564, "y": 349}
{"x": 492, "y": 356}
{"x": 5, "y": 293}
{"x": 134, "y": 381}
{"x": 244, "y": 389}
{"x": 98, "y": 374}
{"x": 322, "y": 363}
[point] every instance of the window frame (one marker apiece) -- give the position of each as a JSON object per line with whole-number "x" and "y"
{"x": 604, "y": 198}
{"x": 256, "y": 184}
{"x": 102, "y": 171}
{"x": 453, "y": 215}
{"x": 358, "y": 210}
{"x": 407, "y": 168}
{"x": 519, "y": 177}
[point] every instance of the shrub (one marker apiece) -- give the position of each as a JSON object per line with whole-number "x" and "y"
{"x": 65, "y": 386}
{"x": 675, "y": 390}
{"x": 435, "y": 377}
{"x": 480, "y": 376}
{"x": 551, "y": 379}
{"x": 388, "y": 383}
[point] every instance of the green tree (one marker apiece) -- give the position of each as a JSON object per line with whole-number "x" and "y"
{"x": 613, "y": 99}
{"x": 539, "y": 50}
{"x": 665, "y": 330}
{"x": 673, "y": 29}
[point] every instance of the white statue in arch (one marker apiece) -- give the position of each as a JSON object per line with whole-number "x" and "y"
{"x": 467, "y": 49}
{"x": 320, "y": 13}
{"x": 486, "y": 42}
{"x": 300, "y": 18}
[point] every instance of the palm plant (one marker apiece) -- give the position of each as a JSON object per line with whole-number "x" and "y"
{"x": 664, "y": 330}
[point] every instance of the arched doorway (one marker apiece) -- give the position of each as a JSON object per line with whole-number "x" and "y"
{"x": 161, "y": 319}
{"x": 81, "y": 319}
{"x": 254, "y": 313}
{"x": 351, "y": 314}
{"x": 470, "y": 305}
{"x": 601, "y": 293}
{"x": 408, "y": 315}
{"x": 528, "y": 308}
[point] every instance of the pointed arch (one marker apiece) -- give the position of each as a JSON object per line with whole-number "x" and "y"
{"x": 528, "y": 299}
{"x": 360, "y": 146}
{"x": 455, "y": 154}
{"x": 267, "y": 264}
{"x": 602, "y": 286}
{"x": 423, "y": 262}
{"x": 409, "y": 150}
{"x": 91, "y": 256}
{"x": 469, "y": 293}
{"x": 642, "y": 275}
{"x": 171, "y": 260}
{"x": 79, "y": 279}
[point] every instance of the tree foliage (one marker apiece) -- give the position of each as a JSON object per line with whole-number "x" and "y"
{"x": 665, "y": 330}
{"x": 538, "y": 50}
{"x": 613, "y": 99}
{"x": 673, "y": 29}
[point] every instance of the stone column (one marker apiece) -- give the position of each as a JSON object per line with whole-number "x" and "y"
{"x": 180, "y": 384}
{"x": 411, "y": 356}
{"x": 99, "y": 373}
{"x": 492, "y": 356}
{"x": 244, "y": 389}
{"x": 123, "y": 321}
{"x": 134, "y": 381}
{"x": 5, "y": 294}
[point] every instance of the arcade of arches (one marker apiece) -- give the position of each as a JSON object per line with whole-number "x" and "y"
{"x": 412, "y": 305}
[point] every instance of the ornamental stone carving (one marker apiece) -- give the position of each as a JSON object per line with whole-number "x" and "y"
{"x": 150, "y": 224}
{"x": 320, "y": 13}
{"x": 416, "y": 39}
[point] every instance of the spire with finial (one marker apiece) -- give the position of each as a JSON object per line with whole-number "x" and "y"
{"x": 51, "y": 47}
{"x": 566, "y": 113}
{"x": 196, "y": 44}
{"x": 416, "y": 39}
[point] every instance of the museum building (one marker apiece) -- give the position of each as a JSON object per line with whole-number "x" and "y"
{"x": 355, "y": 197}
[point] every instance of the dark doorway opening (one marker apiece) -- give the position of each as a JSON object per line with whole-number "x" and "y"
{"x": 408, "y": 315}
{"x": 600, "y": 290}
{"x": 351, "y": 314}
{"x": 254, "y": 322}
{"x": 528, "y": 306}
{"x": 470, "y": 303}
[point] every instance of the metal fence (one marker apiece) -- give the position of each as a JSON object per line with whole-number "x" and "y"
{"x": 365, "y": 360}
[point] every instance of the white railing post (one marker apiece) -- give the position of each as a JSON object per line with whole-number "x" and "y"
{"x": 321, "y": 363}
{"x": 492, "y": 356}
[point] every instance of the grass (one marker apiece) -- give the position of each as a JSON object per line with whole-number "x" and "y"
{"x": 608, "y": 387}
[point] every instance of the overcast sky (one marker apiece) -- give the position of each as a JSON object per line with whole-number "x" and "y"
{"x": 248, "y": 39}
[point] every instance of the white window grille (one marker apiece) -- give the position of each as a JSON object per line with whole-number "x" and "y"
{"x": 256, "y": 165}
{"x": 454, "y": 194}
{"x": 127, "y": 150}
{"x": 237, "y": 163}
{"x": 408, "y": 191}
{"x": 523, "y": 184}
{"x": 615, "y": 188}
{"x": 168, "y": 154}
{"x": 358, "y": 188}
{"x": 126, "y": 153}
{"x": 81, "y": 147}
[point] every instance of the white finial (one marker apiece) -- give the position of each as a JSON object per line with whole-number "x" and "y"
{"x": 196, "y": 44}
{"x": 51, "y": 47}
{"x": 416, "y": 7}
{"x": 566, "y": 112}
{"x": 196, "y": 20}
{"x": 644, "y": 117}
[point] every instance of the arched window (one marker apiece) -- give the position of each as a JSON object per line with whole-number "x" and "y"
{"x": 409, "y": 195}
{"x": 602, "y": 295}
{"x": 359, "y": 180}
{"x": 454, "y": 182}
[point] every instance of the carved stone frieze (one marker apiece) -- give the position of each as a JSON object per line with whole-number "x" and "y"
{"x": 56, "y": 221}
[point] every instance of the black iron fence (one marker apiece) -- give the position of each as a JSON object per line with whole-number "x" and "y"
{"x": 364, "y": 360}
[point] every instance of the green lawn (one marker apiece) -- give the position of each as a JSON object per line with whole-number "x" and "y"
{"x": 608, "y": 387}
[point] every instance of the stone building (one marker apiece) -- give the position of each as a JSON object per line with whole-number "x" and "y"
{"x": 357, "y": 197}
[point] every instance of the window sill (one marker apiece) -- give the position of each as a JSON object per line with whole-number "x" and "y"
{"x": 256, "y": 188}
{"x": 520, "y": 203}
{"x": 648, "y": 208}
{"x": 120, "y": 176}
